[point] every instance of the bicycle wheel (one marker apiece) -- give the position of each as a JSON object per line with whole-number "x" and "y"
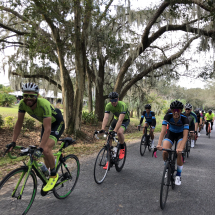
{"x": 120, "y": 162}
{"x": 11, "y": 202}
{"x": 102, "y": 158}
{"x": 165, "y": 183}
{"x": 143, "y": 146}
{"x": 188, "y": 144}
{"x": 68, "y": 172}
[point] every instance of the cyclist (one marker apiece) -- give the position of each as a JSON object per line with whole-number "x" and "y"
{"x": 209, "y": 117}
{"x": 178, "y": 130}
{"x": 120, "y": 122}
{"x": 192, "y": 121}
{"x": 150, "y": 121}
{"x": 199, "y": 117}
{"x": 52, "y": 127}
{"x": 203, "y": 118}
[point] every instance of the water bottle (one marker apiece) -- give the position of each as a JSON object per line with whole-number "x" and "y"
{"x": 115, "y": 151}
{"x": 44, "y": 169}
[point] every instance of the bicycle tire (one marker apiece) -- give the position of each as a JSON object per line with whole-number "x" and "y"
{"x": 165, "y": 183}
{"x": 119, "y": 164}
{"x": 16, "y": 204}
{"x": 188, "y": 148}
{"x": 102, "y": 158}
{"x": 143, "y": 146}
{"x": 68, "y": 172}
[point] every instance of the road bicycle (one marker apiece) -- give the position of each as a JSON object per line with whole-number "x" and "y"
{"x": 145, "y": 141}
{"x": 169, "y": 172}
{"x": 188, "y": 146}
{"x": 18, "y": 189}
{"x": 108, "y": 155}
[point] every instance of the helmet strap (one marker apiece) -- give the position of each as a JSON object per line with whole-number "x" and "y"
{"x": 34, "y": 103}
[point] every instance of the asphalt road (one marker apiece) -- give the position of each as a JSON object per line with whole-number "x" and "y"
{"x": 136, "y": 189}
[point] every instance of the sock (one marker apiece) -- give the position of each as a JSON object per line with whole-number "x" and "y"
{"x": 192, "y": 141}
{"x": 153, "y": 141}
{"x": 53, "y": 173}
{"x": 179, "y": 170}
{"x": 121, "y": 146}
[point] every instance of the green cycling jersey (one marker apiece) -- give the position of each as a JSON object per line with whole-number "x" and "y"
{"x": 209, "y": 116}
{"x": 121, "y": 108}
{"x": 43, "y": 110}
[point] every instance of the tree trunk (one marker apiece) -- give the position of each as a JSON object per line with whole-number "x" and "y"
{"x": 99, "y": 105}
{"x": 89, "y": 89}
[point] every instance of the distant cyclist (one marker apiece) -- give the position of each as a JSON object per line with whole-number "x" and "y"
{"x": 52, "y": 127}
{"x": 150, "y": 121}
{"x": 209, "y": 117}
{"x": 120, "y": 122}
{"x": 192, "y": 121}
{"x": 178, "y": 131}
{"x": 199, "y": 117}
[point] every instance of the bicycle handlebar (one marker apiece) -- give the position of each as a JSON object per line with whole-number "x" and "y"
{"x": 9, "y": 153}
{"x": 106, "y": 133}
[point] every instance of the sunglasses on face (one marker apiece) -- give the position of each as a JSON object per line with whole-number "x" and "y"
{"x": 176, "y": 110}
{"x": 113, "y": 100}
{"x": 29, "y": 96}
{"x": 187, "y": 109}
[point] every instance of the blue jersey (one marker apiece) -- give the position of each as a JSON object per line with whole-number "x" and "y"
{"x": 150, "y": 118}
{"x": 180, "y": 126}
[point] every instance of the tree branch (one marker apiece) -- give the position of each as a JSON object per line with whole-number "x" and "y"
{"x": 13, "y": 30}
{"x": 39, "y": 76}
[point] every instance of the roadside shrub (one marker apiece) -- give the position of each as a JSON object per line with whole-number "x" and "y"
{"x": 9, "y": 122}
{"x": 1, "y": 121}
{"x": 89, "y": 118}
{"x": 28, "y": 123}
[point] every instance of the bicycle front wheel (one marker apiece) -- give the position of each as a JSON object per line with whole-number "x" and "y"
{"x": 143, "y": 145}
{"x": 165, "y": 183}
{"x": 12, "y": 200}
{"x": 100, "y": 167}
{"x": 188, "y": 144}
{"x": 68, "y": 172}
{"x": 120, "y": 162}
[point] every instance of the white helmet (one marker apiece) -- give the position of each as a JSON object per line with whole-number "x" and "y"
{"x": 30, "y": 87}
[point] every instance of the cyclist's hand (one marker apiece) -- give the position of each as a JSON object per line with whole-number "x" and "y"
{"x": 112, "y": 133}
{"x": 101, "y": 131}
{"x": 10, "y": 146}
{"x": 138, "y": 127}
{"x": 179, "y": 150}
{"x": 38, "y": 153}
{"x": 159, "y": 147}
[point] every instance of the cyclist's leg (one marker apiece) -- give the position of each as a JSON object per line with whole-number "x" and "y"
{"x": 145, "y": 125}
{"x": 206, "y": 127}
{"x": 167, "y": 143}
{"x": 192, "y": 134}
{"x": 57, "y": 129}
{"x": 211, "y": 125}
{"x": 120, "y": 134}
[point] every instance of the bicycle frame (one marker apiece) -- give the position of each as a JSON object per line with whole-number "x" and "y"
{"x": 33, "y": 164}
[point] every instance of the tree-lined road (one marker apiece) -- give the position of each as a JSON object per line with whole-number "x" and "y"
{"x": 136, "y": 189}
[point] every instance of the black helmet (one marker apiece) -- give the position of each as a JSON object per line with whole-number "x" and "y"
{"x": 113, "y": 95}
{"x": 210, "y": 111}
{"x": 196, "y": 111}
{"x": 203, "y": 111}
{"x": 148, "y": 106}
{"x": 176, "y": 104}
{"x": 188, "y": 106}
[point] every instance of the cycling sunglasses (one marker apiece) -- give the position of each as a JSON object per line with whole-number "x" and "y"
{"x": 187, "y": 109}
{"x": 176, "y": 110}
{"x": 29, "y": 96}
{"x": 114, "y": 100}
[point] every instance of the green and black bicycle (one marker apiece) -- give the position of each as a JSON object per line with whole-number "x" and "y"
{"x": 18, "y": 189}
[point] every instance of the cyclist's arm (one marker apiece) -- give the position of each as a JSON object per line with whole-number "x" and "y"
{"x": 141, "y": 119}
{"x": 105, "y": 120}
{"x": 163, "y": 132}
{"x": 153, "y": 119}
{"x": 47, "y": 122}
{"x": 119, "y": 122}
{"x": 18, "y": 126}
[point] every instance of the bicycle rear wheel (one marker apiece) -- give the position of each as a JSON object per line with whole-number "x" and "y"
{"x": 165, "y": 183}
{"x": 68, "y": 172}
{"x": 120, "y": 162}
{"x": 143, "y": 145}
{"x": 99, "y": 172}
{"x": 11, "y": 202}
{"x": 188, "y": 144}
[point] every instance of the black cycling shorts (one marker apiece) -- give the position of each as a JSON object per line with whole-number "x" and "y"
{"x": 150, "y": 123}
{"x": 171, "y": 136}
{"x": 57, "y": 127}
{"x": 124, "y": 125}
{"x": 192, "y": 127}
